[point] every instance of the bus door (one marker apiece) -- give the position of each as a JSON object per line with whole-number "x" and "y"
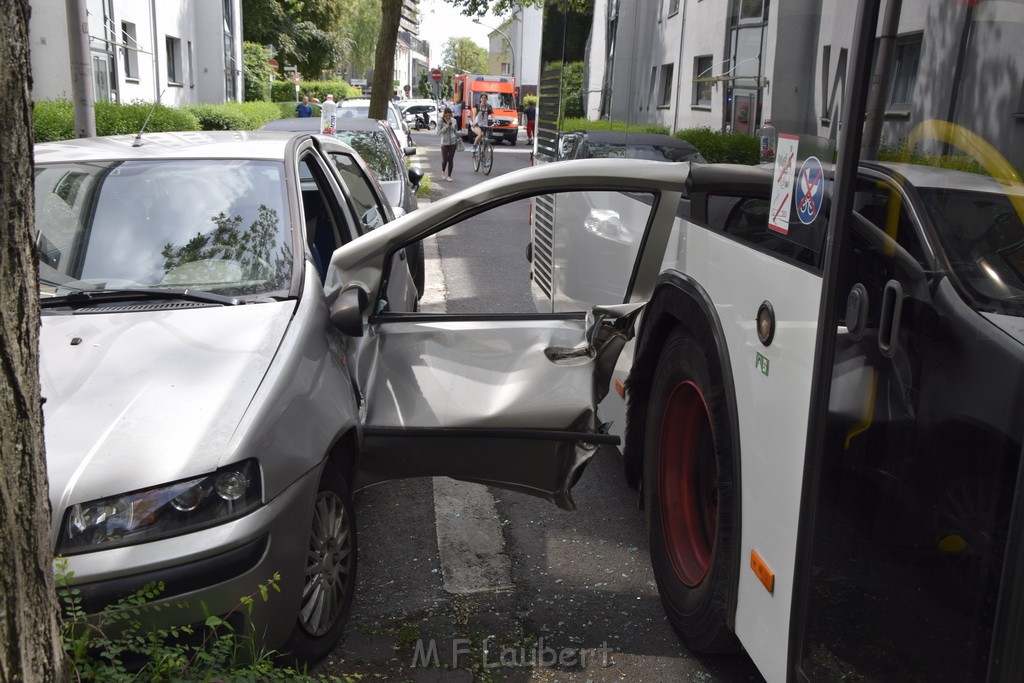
{"x": 910, "y": 558}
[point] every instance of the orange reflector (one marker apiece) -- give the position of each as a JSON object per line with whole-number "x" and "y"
{"x": 765, "y": 575}
{"x": 620, "y": 387}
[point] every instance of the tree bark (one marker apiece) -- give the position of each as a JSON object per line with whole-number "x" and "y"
{"x": 383, "y": 82}
{"x": 29, "y": 644}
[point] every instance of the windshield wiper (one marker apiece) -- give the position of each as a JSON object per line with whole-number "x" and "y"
{"x": 88, "y": 296}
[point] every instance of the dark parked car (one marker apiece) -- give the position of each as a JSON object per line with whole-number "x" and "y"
{"x": 616, "y": 144}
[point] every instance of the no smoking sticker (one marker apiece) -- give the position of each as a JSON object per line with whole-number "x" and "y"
{"x": 782, "y": 183}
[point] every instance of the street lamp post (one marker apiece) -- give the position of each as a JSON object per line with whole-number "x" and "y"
{"x": 507, "y": 39}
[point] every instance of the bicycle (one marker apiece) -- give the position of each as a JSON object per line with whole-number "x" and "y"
{"x": 484, "y": 155}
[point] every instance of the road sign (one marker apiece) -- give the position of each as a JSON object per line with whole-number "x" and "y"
{"x": 435, "y": 74}
{"x": 272, "y": 63}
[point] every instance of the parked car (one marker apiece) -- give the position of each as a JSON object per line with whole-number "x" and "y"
{"x": 377, "y": 145}
{"x": 199, "y": 421}
{"x": 420, "y": 112}
{"x": 360, "y": 107}
{"x": 616, "y": 144}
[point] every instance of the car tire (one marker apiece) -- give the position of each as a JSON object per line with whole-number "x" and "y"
{"x": 330, "y": 574}
{"x": 688, "y": 493}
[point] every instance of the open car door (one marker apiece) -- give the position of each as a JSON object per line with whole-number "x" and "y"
{"x": 485, "y": 392}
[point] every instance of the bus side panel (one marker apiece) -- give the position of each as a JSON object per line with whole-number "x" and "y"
{"x": 772, "y": 396}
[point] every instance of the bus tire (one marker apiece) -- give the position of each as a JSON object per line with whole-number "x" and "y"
{"x": 689, "y": 486}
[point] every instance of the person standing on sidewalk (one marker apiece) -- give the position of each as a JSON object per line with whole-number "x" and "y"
{"x": 449, "y": 142}
{"x": 531, "y": 122}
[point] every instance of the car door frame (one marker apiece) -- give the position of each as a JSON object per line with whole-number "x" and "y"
{"x": 541, "y": 459}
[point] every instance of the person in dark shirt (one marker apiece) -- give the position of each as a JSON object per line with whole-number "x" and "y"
{"x": 304, "y": 109}
{"x": 531, "y": 122}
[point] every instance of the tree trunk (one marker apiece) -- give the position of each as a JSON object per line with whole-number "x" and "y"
{"x": 29, "y": 645}
{"x": 383, "y": 82}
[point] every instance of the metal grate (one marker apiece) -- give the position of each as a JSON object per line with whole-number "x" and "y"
{"x": 548, "y": 114}
{"x": 146, "y": 306}
{"x": 543, "y": 248}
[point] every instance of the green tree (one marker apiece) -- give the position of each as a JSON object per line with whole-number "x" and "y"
{"x": 478, "y": 8}
{"x": 463, "y": 55}
{"x": 257, "y": 72}
{"x": 362, "y": 27}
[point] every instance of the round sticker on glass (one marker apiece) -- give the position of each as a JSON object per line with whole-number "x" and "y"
{"x": 810, "y": 190}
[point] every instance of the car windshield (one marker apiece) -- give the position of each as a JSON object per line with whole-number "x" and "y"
{"x": 219, "y": 226}
{"x": 983, "y": 236}
{"x": 652, "y": 152}
{"x": 498, "y": 100}
{"x": 374, "y": 149}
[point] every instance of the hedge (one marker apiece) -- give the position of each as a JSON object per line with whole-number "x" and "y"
{"x": 572, "y": 125}
{"x": 719, "y": 147}
{"x": 235, "y": 115}
{"x": 54, "y": 119}
{"x": 284, "y": 91}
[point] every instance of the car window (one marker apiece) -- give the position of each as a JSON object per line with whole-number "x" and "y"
{"x": 746, "y": 219}
{"x": 213, "y": 225}
{"x": 370, "y": 212}
{"x": 324, "y": 227}
{"x": 375, "y": 150}
{"x": 581, "y": 241}
{"x": 633, "y": 151}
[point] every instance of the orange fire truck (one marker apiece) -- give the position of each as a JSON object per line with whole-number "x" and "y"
{"x": 501, "y": 93}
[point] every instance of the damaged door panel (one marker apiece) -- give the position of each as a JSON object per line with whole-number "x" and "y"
{"x": 505, "y": 403}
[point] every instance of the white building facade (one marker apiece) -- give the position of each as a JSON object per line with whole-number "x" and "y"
{"x": 178, "y": 51}
{"x": 734, "y": 65}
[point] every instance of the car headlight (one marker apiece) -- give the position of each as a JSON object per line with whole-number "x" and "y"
{"x": 162, "y": 511}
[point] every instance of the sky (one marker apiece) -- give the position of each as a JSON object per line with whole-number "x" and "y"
{"x": 440, "y": 20}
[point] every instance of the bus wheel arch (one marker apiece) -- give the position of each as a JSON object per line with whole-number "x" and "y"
{"x": 683, "y": 439}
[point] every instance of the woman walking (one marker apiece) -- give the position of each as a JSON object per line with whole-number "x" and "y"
{"x": 449, "y": 141}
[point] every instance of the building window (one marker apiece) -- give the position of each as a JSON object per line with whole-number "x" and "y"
{"x": 665, "y": 87}
{"x": 703, "y": 67}
{"x": 673, "y": 7}
{"x": 129, "y": 47}
{"x": 653, "y": 85}
{"x": 905, "y": 63}
{"x": 174, "y": 73}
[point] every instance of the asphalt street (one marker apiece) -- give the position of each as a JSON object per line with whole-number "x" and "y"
{"x": 460, "y": 582}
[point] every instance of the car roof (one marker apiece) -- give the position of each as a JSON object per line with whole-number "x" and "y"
{"x": 934, "y": 177}
{"x": 312, "y": 123}
{"x": 181, "y": 145}
{"x": 621, "y": 137}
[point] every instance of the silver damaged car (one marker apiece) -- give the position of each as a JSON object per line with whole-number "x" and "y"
{"x": 230, "y": 348}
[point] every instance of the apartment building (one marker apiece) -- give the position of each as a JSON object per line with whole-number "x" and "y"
{"x": 178, "y": 51}
{"x": 732, "y": 65}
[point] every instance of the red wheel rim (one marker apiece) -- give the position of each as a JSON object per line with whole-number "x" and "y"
{"x": 687, "y": 483}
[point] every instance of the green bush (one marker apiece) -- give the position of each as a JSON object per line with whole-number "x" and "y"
{"x": 572, "y": 125}
{"x": 54, "y": 120}
{"x": 235, "y": 115}
{"x": 123, "y": 119}
{"x": 957, "y": 162}
{"x": 283, "y": 91}
{"x": 719, "y": 147}
{"x": 572, "y": 90}
{"x": 530, "y": 101}
{"x": 257, "y": 72}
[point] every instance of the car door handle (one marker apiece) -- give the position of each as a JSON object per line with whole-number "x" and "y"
{"x": 889, "y": 322}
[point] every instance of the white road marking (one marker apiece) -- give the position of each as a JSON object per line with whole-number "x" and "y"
{"x": 470, "y": 542}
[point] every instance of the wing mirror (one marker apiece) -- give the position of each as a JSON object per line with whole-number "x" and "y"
{"x": 409, "y": 151}
{"x": 348, "y": 311}
{"x": 415, "y": 176}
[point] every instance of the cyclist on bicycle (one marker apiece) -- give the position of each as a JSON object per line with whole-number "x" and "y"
{"x": 482, "y": 115}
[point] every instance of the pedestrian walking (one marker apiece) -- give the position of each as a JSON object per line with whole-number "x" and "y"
{"x": 449, "y": 143}
{"x": 531, "y": 122}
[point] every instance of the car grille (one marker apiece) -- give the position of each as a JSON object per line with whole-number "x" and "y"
{"x": 543, "y": 228}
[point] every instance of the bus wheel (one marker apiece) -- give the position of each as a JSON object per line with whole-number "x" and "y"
{"x": 688, "y": 493}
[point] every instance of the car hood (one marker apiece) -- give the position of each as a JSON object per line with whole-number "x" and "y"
{"x": 142, "y": 398}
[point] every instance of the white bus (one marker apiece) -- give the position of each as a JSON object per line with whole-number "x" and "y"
{"x": 823, "y": 407}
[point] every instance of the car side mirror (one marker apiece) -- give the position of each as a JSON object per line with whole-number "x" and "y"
{"x": 348, "y": 311}
{"x": 415, "y": 176}
{"x": 410, "y": 151}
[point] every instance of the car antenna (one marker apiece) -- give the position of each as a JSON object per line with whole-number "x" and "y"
{"x": 138, "y": 138}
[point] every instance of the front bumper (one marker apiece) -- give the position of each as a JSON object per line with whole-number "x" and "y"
{"x": 209, "y": 571}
